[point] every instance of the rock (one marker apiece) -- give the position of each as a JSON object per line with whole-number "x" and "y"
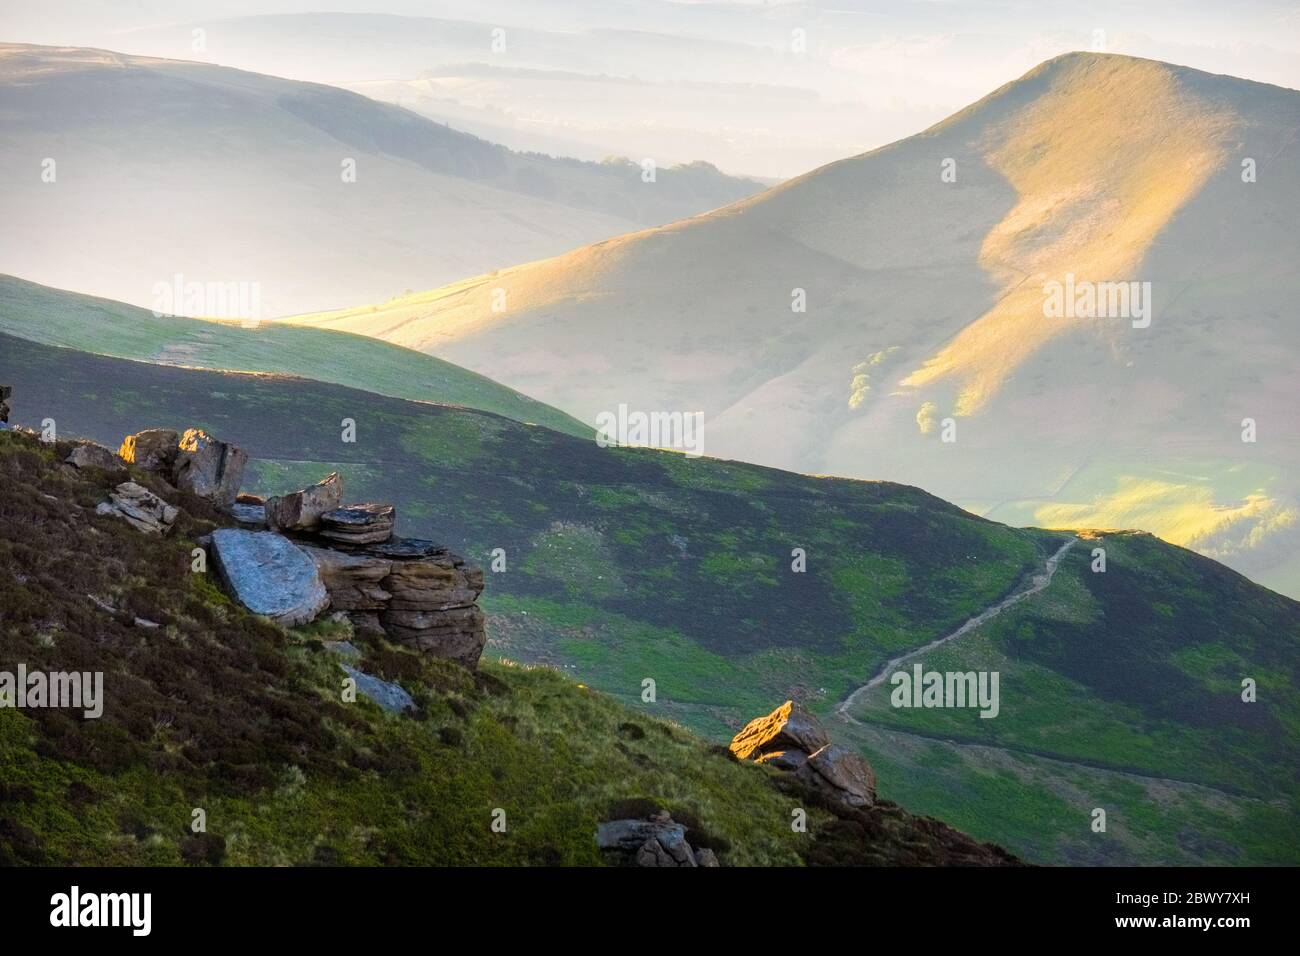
{"x": 209, "y": 468}
{"x": 790, "y": 760}
{"x": 343, "y": 649}
{"x": 90, "y": 455}
{"x": 629, "y": 836}
{"x": 387, "y": 695}
{"x": 353, "y": 580}
{"x": 249, "y": 515}
{"x": 358, "y": 524}
{"x": 457, "y": 634}
{"x": 409, "y": 548}
{"x": 301, "y": 510}
{"x": 270, "y": 575}
{"x": 706, "y": 857}
{"x": 842, "y": 773}
{"x": 5, "y": 392}
{"x": 153, "y": 450}
{"x": 367, "y": 623}
{"x": 140, "y": 507}
{"x": 789, "y": 726}
{"x": 439, "y": 582}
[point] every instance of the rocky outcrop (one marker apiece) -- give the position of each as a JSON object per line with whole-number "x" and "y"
{"x": 789, "y": 727}
{"x": 359, "y": 524}
{"x": 269, "y": 575}
{"x": 153, "y": 450}
{"x": 793, "y": 740}
{"x": 209, "y": 468}
{"x": 421, "y": 594}
{"x": 140, "y": 507}
{"x": 302, "y": 510}
{"x": 90, "y": 455}
{"x": 657, "y": 841}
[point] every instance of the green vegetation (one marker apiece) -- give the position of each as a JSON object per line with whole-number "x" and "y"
{"x": 625, "y": 564}
{"x": 219, "y": 711}
{"x": 105, "y": 327}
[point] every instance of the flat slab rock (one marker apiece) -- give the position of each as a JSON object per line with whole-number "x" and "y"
{"x": 270, "y": 575}
{"x": 387, "y": 695}
{"x": 789, "y": 727}
{"x": 359, "y": 524}
{"x": 140, "y": 508}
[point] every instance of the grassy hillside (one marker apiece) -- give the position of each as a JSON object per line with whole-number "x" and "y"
{"x": 924, "y": 300}
{"x": 214, "y": 709}
{"x": 623, "y": 565}
{"x": 56, "y": 317}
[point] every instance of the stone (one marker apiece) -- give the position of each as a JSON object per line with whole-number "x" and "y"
{"x": 209, "y": 468}
{"x": 457, "y": 634}
{"x": 153, "y": 450}
{"x": 353, "y": 580}
{"x": 841, "y": 772}
{"x": 90, "y": 455}
{"x": 440, "y": 582}
{"x": 358, "y": 524}
{"x": 629, "y": 836}
{"x": 789, "y": 726}
{"x": 140, "y": 508}
{"x": 249, "y": 515}
{"x": 408, "y": 548}
{"x": 789, "y": 760}
{"x": 270, "y": 575}
{"x": 387, "y": 695}
{"x": 706, "y": 857}
{"x": 301, "y": 510}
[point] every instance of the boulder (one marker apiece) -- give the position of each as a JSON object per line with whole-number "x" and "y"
{"x": 387, "y": 695}
{"x": 153, "y": 450}
{"x": 90, "y": 455}
{"x": 140, "y": 507}
{"x": 301, "y": 510}
{"x": 790, "y": 726}
{"x": 358, "y": 524}
{"x": 842, "y": 773}
{"x": 269, "y": 575}
{"x": 353, "y": 580}
{"x": 209, "y": 468}
{"x": 790, "y": 760}
{"x": 654, "y": 842}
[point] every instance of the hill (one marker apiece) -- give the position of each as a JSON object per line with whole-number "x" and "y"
{"x": 105, "y": 327}
{"x": 206, "y": 707}
{"x": 315, "y": 194}
{"x": 625, "y": 564}
{"x": 927, "y": 300}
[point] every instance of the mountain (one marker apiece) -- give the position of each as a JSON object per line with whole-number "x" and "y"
{"x": 928, "y": 300}
{"x": 310, "y": 194}
{"x": 1121, "y": 689}
{"x": 113, "y": 328}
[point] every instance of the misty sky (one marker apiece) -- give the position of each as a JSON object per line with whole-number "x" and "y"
{"x": 734, "y": 83}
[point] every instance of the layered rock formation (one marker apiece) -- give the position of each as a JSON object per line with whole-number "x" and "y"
{"x": 793, "y": 740}
{"x": 297, "y": 554}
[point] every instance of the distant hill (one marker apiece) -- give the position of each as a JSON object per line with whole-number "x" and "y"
{"x": 164, "y": 167}
{"x": 925, "y": 301}
{"x": 105, "y": 327}
{"x": 1121, "y": 689}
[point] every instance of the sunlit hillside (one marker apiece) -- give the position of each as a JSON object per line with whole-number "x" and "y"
{"x": 926, "y": 268}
